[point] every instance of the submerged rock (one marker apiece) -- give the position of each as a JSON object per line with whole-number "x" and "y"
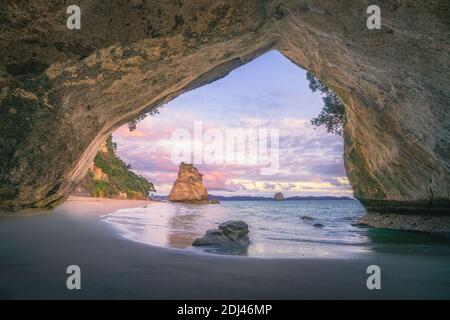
{"x": 278, "y": 196}
{"x": 318, "y": 225}
{"x": 307, "y": 218}
{"x": 231, "y": 238}
{"x": 189, "y": 186}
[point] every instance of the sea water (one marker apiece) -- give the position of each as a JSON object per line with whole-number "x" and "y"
{"x": 287, "y": 229}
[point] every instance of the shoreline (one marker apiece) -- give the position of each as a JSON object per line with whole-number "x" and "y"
{"x": 119, "y": 203}
{"x": 36, "y": 251}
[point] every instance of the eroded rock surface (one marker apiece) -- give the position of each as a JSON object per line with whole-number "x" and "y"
{"x": 409, "y": 222}
{"x": 63, "y": 92}
{"x": 188, "y": 187}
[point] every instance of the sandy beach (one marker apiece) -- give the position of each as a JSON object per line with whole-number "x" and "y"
{"x": 35, "y": 252}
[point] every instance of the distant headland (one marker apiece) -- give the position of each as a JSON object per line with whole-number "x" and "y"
{"x": 256, "y": 198}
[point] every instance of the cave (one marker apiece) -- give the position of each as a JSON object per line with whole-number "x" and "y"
{"x": 65, "y": 91}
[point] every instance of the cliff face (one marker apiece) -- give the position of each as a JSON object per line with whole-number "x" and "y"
{"x": 63, "y": 92}
{"x": 110, "y": 177}
{"x": 189, "y": 186}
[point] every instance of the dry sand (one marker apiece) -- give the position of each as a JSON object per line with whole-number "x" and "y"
{"x": 35, "y": 252}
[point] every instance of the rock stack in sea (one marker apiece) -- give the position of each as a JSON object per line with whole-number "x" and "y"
{"x": 278, "y": 196}
{"x": 188, "y": 187}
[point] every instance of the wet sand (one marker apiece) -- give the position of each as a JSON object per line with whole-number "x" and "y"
{"x": 35, "y": 252}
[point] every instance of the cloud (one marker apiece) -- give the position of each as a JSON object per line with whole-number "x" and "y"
{"x": 308, "y": 158}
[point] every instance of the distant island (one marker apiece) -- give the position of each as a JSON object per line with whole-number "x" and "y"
{"x": 254, "y": 198}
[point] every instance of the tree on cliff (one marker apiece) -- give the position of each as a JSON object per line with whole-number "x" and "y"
{"x": 114, "y": 178}
{"x": 332, "y": 116}
{"x": 132, "y": 125}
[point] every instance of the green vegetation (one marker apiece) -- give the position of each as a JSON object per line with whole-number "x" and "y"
{"x": 117, "y": 179}
{"x": 332, "y": 116}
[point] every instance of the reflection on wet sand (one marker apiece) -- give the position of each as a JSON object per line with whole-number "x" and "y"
{"x": 181, "y": 232}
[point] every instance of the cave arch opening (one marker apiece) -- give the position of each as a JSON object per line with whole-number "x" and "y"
{"x": 266, "y": 94}
{"x": 75, "y": 90}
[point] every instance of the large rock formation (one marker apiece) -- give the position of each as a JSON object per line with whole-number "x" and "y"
{"x": 188, "y": 187}
{"x": 64, "y": 91}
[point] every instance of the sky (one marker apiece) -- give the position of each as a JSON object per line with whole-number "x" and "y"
{"x": 267, "y": 95}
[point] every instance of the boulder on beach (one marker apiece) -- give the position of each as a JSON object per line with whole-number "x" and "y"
{"x": 278, "y": 196}
{"x": 188, "y": 187}
{"x": 231, "y": 237}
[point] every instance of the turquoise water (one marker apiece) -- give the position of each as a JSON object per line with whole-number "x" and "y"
{"x": 287, "y": 229}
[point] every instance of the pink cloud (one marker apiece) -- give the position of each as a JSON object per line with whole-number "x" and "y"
{"x": 305, "y": 154}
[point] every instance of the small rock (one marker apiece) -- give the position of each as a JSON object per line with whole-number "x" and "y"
{"x": 278, "y": 196}
{"x": 307, "y": 218}
{"x": 212, "y": 237}
{"x": 230, "y": 237}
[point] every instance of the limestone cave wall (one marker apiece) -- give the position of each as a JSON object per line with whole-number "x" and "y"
{"x": 64, "y": 91}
